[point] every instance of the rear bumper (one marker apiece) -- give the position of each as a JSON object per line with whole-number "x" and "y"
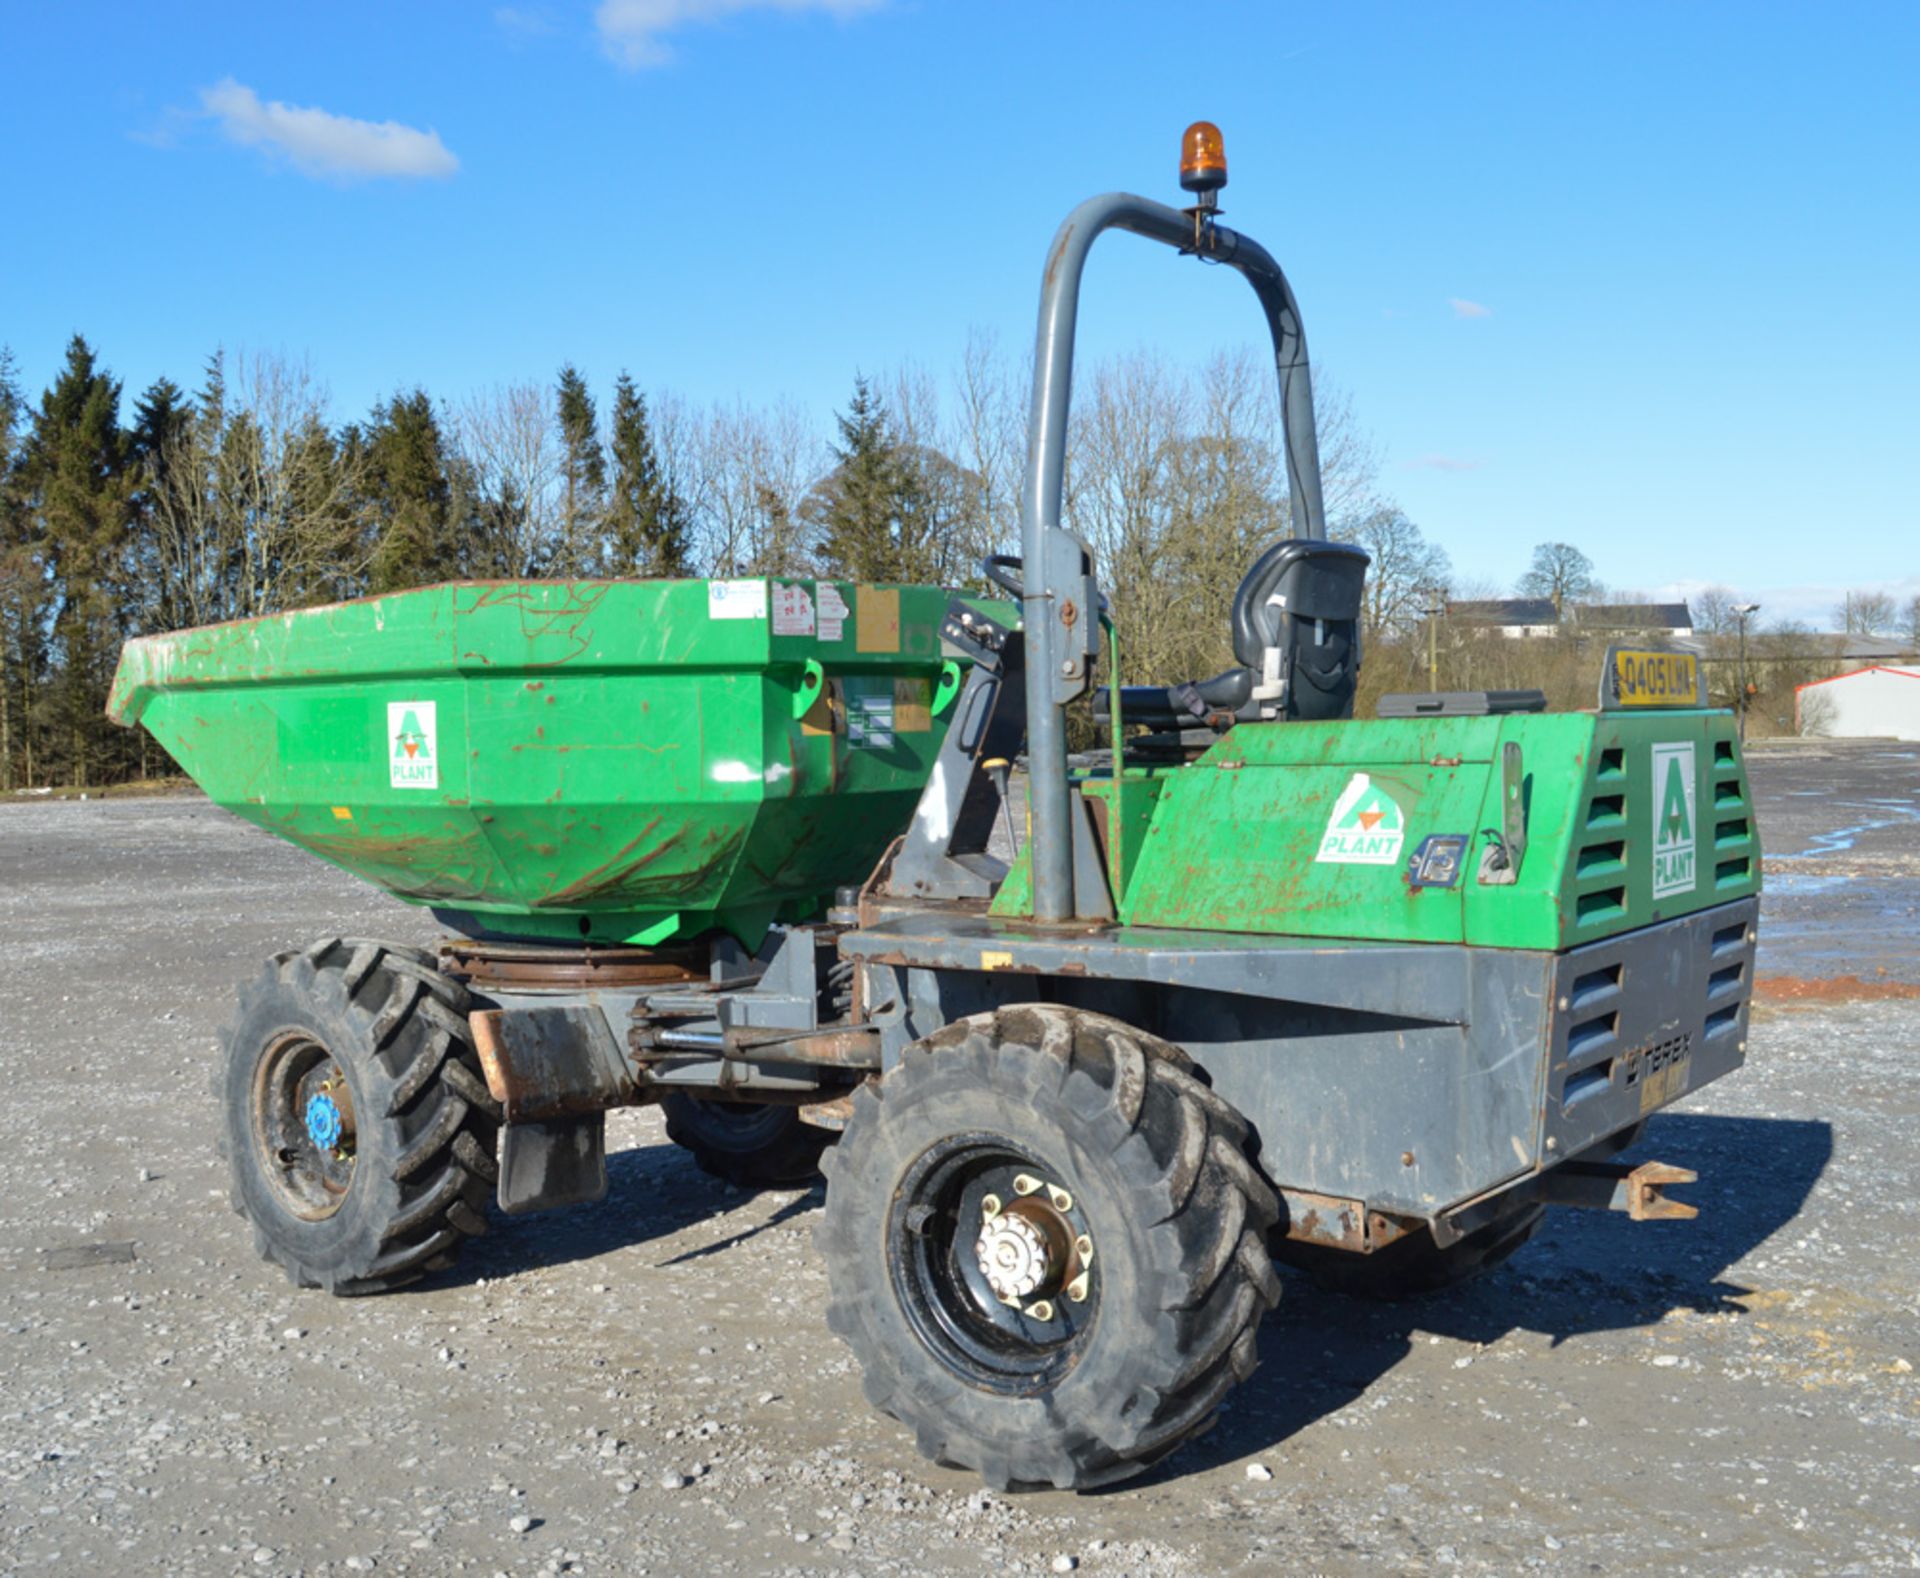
{"x": 1641, "y": 1019}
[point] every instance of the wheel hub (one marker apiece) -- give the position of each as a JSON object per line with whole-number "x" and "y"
{"x": 1014, "y": 1256}
{"x": 1028, "y": 1248}
{"x": 324, "y": 1125}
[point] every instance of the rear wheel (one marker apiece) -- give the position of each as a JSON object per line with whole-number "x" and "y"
{"x": 1414, "y": 1265}
{"x": 1045, "y": 1243}
{"x": 756, "y": 1145}
{"x": 358, "y": 1130}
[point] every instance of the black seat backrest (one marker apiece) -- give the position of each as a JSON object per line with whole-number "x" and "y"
{"x": 1301, "y": 603}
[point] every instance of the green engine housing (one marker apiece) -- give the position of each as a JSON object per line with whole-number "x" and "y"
{"x": 1381, "y": 830}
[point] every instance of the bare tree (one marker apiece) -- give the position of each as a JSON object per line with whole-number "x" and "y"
{"x": 754, "y": 469}
{"x": 1405, "y": 571}
{"x": 508, "y": 437}
{"x": 1560, "y": 572}
{"x": 1713, "y": 611}
{"x": 1865, "y": 613}
{"x": 254, "y": 510}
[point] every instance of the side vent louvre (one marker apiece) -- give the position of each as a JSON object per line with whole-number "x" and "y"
{"x": 1733, "y": 846}
{"x": 1729, "y": 939}
{"x": 1590, "y": 988}
{"x": 1600, "y": 862}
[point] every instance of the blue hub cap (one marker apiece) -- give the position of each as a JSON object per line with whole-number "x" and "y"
{"x": 323, "y": 1121}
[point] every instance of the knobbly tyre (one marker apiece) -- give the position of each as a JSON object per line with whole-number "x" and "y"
{"x": 1362, "y": 996}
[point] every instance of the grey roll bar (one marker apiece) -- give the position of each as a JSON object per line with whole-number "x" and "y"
{"x": 1051, "y": 603}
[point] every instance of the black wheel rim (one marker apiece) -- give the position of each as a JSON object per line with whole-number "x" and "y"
{"x": 304, "y": 1129}
{"x": 937, "y": 1226}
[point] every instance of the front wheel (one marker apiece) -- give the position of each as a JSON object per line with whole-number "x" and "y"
{"x": 1045, "y": 1243}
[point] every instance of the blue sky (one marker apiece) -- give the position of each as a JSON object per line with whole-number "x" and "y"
{"x": 1687, "y": 237}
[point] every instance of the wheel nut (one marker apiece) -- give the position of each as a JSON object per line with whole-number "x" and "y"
{"x": 1040, "y": 1309}
{"x": 1025, "y": 1183}
{"x": 1062, "y": 1201}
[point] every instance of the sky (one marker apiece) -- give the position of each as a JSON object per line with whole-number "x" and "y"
{"x": 1636, "y": 277}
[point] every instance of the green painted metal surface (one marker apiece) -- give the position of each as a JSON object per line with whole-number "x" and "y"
{"x": 624, "y": 761}
{"x": 1309, "y": 829}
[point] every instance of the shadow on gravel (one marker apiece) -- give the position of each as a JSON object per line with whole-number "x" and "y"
{"x": 653, "y": 1191}
{"x": 1587, "y": 1271}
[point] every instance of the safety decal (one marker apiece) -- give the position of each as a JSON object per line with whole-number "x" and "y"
{"x": 792, "y": 610}
{"x": 1676, "y": 842}
{"x": 413, "y": 745}
{"x": 833, "y": 611}
{"x": 736, "y": 599}
{"x": 1367, "y": 827}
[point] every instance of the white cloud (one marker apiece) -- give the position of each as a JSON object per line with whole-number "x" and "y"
{"x": 1441, "y": 463}
{"x": 1462, "y": 308}
{"x": 633, "y": 32}
{"x": 525, "y": 23}
{"x": 319, "y": 143}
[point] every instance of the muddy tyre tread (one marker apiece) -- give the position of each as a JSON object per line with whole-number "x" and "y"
{"x": 428, "y": 1127}
{"x": 1178, "y": 1158}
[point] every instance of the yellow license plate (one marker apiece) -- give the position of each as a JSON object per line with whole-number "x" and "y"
{"x": 1655, "y": 679}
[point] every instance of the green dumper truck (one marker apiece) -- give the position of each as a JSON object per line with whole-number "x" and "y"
{"x": 1361, "y": 996}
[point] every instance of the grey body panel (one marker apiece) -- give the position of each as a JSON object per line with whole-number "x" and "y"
{"x": 1412, "y": 1077}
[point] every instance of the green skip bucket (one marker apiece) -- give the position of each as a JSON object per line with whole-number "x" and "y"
{"x": 624, "y": 761}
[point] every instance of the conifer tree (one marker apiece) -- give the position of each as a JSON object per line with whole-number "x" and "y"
{"x": 22, "y": 588}
{"x": 158, "y": 442}
{"x": 647, "y": 520}
{"x": 409, "y": 496}
{"x": 75, "y": 476}
{"x": 583, "y": 472}
{"x": 860, "y": 508}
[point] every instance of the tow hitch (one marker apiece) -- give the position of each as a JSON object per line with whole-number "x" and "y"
{"x": 1613, "y": 1186}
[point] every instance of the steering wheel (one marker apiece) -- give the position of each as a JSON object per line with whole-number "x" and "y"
{"x": 1003, "y": 569}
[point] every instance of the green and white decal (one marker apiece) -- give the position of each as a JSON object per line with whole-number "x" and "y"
{"x": 1367, "y": 827}
{"x": 1676, "y": 841}
{"x": 413, "y": 746}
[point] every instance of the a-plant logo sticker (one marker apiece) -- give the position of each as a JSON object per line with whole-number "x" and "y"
{"x": 1367, "y": 827}
{"x": 1676, "y": 836}
{"x": 413, "y": 747}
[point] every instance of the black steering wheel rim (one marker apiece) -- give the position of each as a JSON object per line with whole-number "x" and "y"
{"x": 1005, "y": 571}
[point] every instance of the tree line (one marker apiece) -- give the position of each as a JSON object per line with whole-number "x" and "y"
{"x": 245, "y": 496}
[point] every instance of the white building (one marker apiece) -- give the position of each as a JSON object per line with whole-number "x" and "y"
{"x": 1880, "y": 702}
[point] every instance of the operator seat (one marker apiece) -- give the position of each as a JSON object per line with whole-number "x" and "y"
{"x": 1296, "y": 632}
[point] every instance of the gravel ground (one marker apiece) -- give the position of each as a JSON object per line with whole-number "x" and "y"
{"x": 646, "y": 1386}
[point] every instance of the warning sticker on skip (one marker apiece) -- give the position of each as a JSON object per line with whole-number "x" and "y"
{"x": 736, "y": 599}
{"x": 792, "y": 610}
{"x": 833, "y": 611}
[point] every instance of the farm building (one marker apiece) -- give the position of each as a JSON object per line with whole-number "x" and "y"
{"x": 1878, "y": 702}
